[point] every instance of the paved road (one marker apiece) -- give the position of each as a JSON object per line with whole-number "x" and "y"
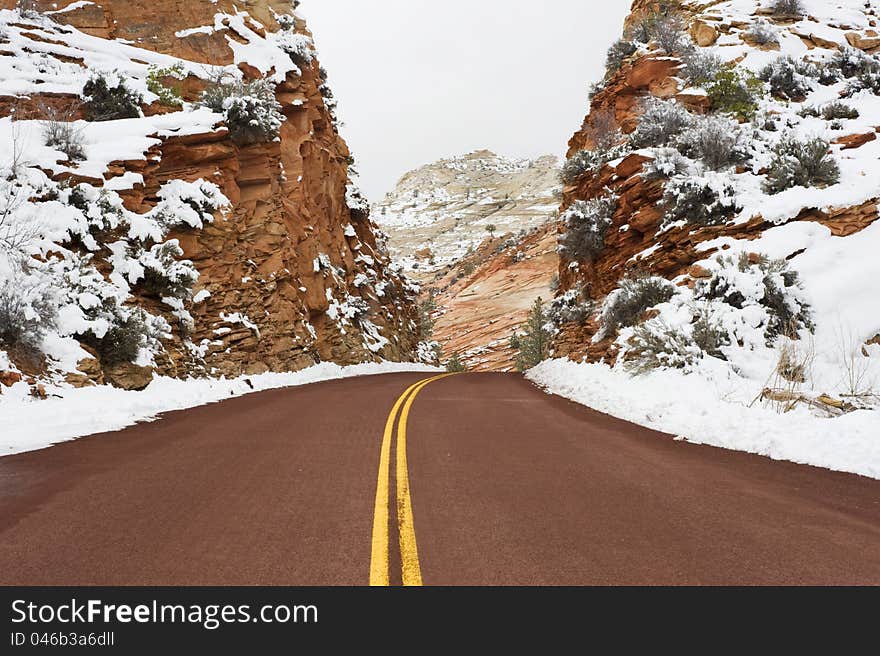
{"x": 505, "y": 486}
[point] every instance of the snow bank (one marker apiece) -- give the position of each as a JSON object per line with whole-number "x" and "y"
{"x": 27, "y": 424}
{"x": 711, "y": 407}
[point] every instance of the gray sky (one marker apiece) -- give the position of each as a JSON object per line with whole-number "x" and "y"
{"x": 418, "y": 80}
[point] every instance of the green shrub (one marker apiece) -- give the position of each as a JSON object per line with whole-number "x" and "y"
{"x": 454, "y": 364}
{"x": 170, "y": 96}
{"x": 798, "y": 163}
{"x": 253, "y": 113}
{"x": 735, "y": 92}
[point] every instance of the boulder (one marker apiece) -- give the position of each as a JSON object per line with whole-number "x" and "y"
{"x": 129, "y": 376}
{"x": 703, "y": 33}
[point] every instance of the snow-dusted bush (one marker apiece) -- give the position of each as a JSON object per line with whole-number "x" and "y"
{"x": 603, "y": 130}
{"x": 833, "y": 111}
{"x": 664, "y": 27}
{"x": 799, "y": 163}
{"x": 666, "y": 163}
{"x": 755, "y": 281}
{"x": 253, "y": 113}
{"x": 299, "y": 47}
{"x": 586, "y": 223}
{"x": 27, "y": 8}
{"x": 61, "y": 132}
{"x": 852, "y": 62}
{"x": 617, "y": 54}
{"x": 656, "y": 344}
{"x": 702, "y": 201}
{"x": 107, "y": 98}
{"x": 170, "y": 96}
{"x": 586, "y": 162}
{"x": 735, "y": 91}
{"x": 635, "y": 296}
{"x": 661, "y": 122}
{"x": 789, "y": 79}
{"x": 701, "y": 66}
{"x": 188, "y": 204}
{"x": 571, "y": 307}
{"x": 864, "y": 82}
{"x": 717, "y": 141}
{"x": 788, "y": 8}
{"x": 455, "y": 365}
{"x": 28, "y": 309}
{"x": 669, "y": 34}
{"x": 763, "y": 33}
{"x": 123, "y": 341}
{"x": 165, "y": 275}
{"x": 708, "y": 333}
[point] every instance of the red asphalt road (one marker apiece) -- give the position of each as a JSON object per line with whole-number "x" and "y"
{"x": 509, "y": 486}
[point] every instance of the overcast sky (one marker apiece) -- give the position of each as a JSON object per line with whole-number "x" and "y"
{"x": 419, "y": 80}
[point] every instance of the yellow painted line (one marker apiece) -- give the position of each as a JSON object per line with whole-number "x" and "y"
{"x": 379, "y": 566}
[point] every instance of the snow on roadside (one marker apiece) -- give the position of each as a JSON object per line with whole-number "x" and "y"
{"x": 27, "y": 424}
{"x": 710, "y": 407}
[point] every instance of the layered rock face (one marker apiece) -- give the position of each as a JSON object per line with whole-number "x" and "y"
{"x": 746, "y": 44}
{"x": 477, "y": 232}
{"x": 438, "y": 212}
{"x": 290, "y": 270}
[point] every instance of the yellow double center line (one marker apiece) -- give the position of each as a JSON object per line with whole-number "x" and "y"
{"x": 409, "y": 553}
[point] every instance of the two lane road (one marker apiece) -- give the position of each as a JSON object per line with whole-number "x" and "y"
{"x": 490, "y": 482}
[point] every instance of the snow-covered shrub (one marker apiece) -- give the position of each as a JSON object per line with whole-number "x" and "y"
{"x": 253, "y": 113}
{"x": 455, "y": 365}
{"x": 586, "y": 223}
{"x": 660, "y": 123}
{"x": 586, "y": 162}
{"x": 717, "y": 141}
{"x": 664, "y": 27}
{"x": 165, "y": 275}
{"x": 852, "y": 62}
{"x": 666, "y": 163}
{"x": 763, "y": 33}
{"x": 669, "y": 34}
{"x": 734, "y": 91}
{"x": 357, "y": 203}
{"x": 299, "y": 47}
{"x": 572, "y": 307}
{"x": 864, "y": 82}
{"x": 788, "y": 8}
{"x": 635, "y": 296}
{"x": 755, "y": 281}
{"x": 170, "y": 96}
{"x": 656, "y": 344}
{"x": 701, "y": 66}
{"x": 708, "y": 333}
{"x": 617, "y": 54}
{"x": 60, "y": 132}
{"x": 789, "y": 79}
{"x": 188, "y": 204}
{"x": 27, "y": 8}
{"x": 799, "y": 163}
{"x": 107, "y": 98}
{"x": 28, "y": 309}
{"x": 836, "y": 111}
{"x": 702, "y": 201}
{"x": 123, "y": 340}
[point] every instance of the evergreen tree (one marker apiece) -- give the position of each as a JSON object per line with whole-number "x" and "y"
{"x": 533, "y": 346}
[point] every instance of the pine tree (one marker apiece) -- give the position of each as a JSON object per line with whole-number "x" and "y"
{"x": 533, "y": 346}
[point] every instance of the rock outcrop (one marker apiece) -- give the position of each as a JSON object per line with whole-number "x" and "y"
{"x": 289, "y": 273}
{"x": 639, "y": 239}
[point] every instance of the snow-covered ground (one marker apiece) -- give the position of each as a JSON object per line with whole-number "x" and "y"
{"x": 712, "y": 407}
{"x": 27, "y": 424}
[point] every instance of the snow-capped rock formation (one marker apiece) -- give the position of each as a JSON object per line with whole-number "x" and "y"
{"x": 175, "y": 198}
{"x": 440, "y": 212}
{"x": 720, "y": 211}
